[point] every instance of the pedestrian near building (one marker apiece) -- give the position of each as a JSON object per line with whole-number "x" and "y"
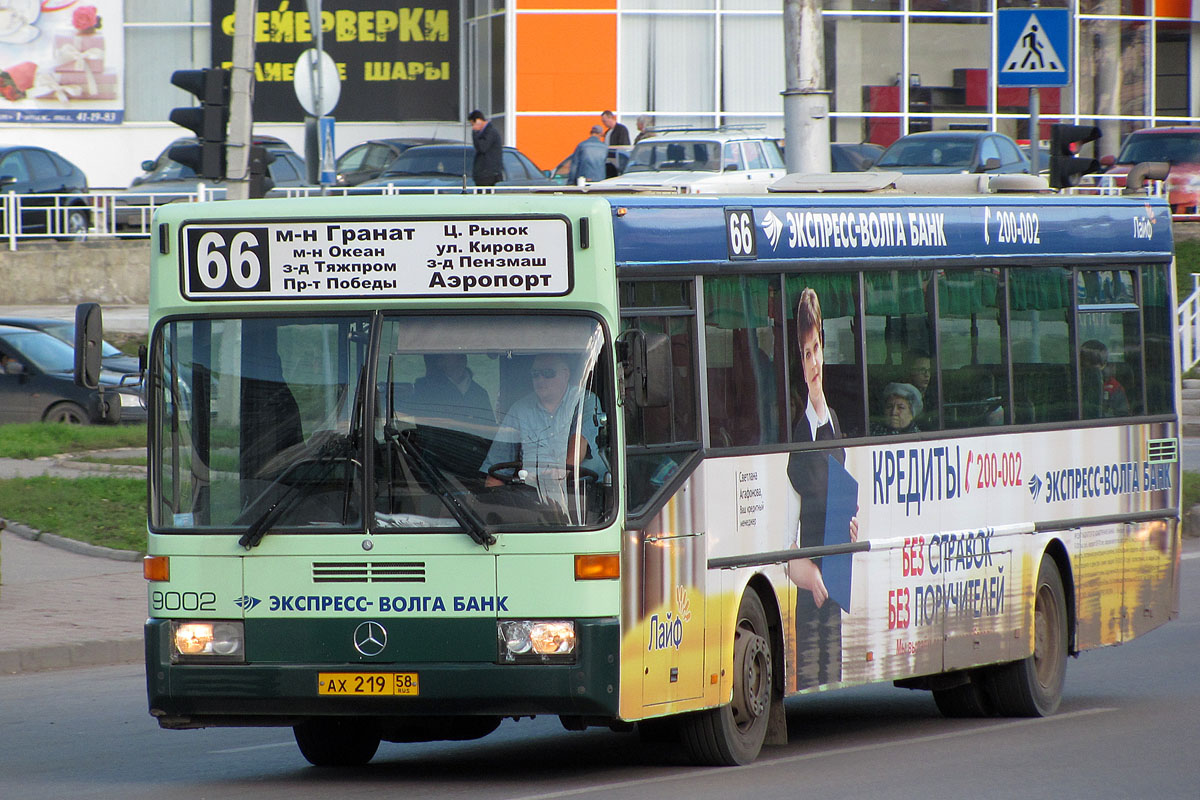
{"x": 615, "y": 135}
{"x": 614, "y": 132}
{"x": 489, "y": 148}
{"x": 588, "y": 159}
{"x": 645, "y": 127}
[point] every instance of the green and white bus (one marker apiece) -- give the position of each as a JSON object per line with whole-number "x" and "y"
{"x": 419, "y": 464}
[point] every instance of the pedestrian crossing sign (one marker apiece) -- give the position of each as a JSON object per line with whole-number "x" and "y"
{"x": 1033, "y": 47}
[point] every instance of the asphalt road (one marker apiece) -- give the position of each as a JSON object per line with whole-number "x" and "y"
{"x": 1126, "y": 729}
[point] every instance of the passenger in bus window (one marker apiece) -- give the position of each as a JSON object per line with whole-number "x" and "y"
{"x": 818, "y": 618}
{"x": 918, "y": 368}
{"x": 448, "y": 390}
{"x": 550, "y": 433}
{"x": 1103, "y": 395}
{"x": 901, "y": 407}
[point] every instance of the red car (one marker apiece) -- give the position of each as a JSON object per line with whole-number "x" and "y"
{"x": 1178, "y": 146}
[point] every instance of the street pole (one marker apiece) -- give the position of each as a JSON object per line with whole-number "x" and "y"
{"x": 1035, "y": 107}
{"x": 241, "y": 99}
{"x": 315, "y": 82}
{"x": 805, "y": 98}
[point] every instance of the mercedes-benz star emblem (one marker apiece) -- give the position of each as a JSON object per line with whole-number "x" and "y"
{"x": 370, "y": 638}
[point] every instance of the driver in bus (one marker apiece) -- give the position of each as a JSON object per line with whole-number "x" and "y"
{"x": 550, "y": 433}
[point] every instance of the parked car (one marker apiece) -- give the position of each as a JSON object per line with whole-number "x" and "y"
{"x": 449, "y": 165}
{"x": 953, "y": 151}
{"x": 111, "y": 358}
{"x": 846, "y": 156}
{"x": 1179, "y": 146}
{"x": 37, "y": 384}
{"x": 853, "y": 156}
{"x": 701, "y": 161}
{"x": 371, "y": 158}
{"x": 35, "y": 171}
{"x": 166, "y": 180}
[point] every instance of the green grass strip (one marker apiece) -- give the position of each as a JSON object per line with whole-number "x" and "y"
{"x": 110, "y": 512}
{"x": 36, "y": 439}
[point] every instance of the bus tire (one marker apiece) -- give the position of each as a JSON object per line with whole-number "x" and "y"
{"x": 337, "y": 742}
{"x": 734, "y": 733}
{"x": 1032, "y": 687}
{"x": 966, "y": 701}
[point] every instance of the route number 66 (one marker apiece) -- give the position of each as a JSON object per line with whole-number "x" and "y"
{"x": 739, "y": 233}
{"x": 226, "y": 260}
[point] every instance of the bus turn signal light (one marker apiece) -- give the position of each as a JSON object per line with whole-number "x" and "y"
{"x": 156, "y": 568}
{"x": 597, "y": 566}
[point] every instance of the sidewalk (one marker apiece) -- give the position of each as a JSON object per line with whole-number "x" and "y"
{"x": 60, "y": 608}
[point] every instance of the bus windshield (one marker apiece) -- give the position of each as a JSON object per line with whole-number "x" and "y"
{"x": 476, "y": 422}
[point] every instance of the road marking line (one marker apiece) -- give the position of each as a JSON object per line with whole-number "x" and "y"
{"x": 691, "y": 773}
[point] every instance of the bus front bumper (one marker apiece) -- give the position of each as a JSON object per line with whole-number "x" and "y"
{"x": 262, "y": 693}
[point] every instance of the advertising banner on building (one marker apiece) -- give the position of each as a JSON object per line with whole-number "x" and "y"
{"x": 62, "y": 61}
{"x": 396, "y": 61}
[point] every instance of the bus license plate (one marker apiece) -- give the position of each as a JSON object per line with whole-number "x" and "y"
{"x": 368, "y": 684}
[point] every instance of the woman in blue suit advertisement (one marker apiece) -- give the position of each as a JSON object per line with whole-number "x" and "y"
{"x": 818, "y": 615}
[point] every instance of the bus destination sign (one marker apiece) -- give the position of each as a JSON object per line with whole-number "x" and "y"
{"x": 459, "y": 257}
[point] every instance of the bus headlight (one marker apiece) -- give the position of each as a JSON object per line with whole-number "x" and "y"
{"x": 527, "y": 640}
{"x": 207, "y": 641}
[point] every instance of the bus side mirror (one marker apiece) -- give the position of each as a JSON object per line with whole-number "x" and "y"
{"x": 648, "y": 368}
{"x": 88, "y": 336}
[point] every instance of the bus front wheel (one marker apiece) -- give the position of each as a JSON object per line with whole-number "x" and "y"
{"x": 338, "y": 742}
{"x": 1032, "y": 687}
{"x": 734, "y": 733}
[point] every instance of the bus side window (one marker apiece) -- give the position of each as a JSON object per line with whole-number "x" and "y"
{"x": 744, "y": 350}
{"x": 837, "y": 298}
{"x": 1039, "y": 311}
{"x": 900, "y": 344}
{"x": 971, "y": 348}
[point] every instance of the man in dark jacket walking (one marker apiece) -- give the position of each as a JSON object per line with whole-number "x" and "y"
{"x": 488, "y": 150}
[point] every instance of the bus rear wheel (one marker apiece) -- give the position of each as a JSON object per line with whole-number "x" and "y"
{"x": 1032, "y": 687}
{"x": 339, "y": 742}
{"x": 734, "y": 733}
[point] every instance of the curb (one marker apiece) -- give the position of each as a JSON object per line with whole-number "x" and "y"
{"x": 63, "y": 656}
{"x": 71, "y": 545}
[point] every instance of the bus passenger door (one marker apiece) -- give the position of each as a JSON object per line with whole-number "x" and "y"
{"x": 673, "y": 600}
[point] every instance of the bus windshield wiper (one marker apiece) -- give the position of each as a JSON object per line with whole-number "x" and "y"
{"x": 465, "y": 516}
{"x": 326, "y": 457}
{"x": 328, "y": 454}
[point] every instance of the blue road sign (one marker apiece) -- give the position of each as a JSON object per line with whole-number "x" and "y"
{"x": 1033, "y": 47}
{"x": 328, "y": 174}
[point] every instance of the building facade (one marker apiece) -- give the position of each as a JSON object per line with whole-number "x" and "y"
{"x": 544, "y": 69}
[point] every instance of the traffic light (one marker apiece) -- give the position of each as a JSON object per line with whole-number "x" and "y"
{"x": 1065, "y": 166}
{"x": 207, "y": 121}
{"x": 260, "y": 175}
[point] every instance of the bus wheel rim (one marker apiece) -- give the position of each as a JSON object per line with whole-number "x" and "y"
{"x": 752, "y": 664}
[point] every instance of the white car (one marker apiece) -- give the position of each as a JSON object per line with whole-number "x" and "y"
{"x": 701, "y": 162}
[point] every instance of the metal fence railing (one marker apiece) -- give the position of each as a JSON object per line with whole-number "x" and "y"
{"x": 128, "y": 213}
{"x": 1188, "y": 319}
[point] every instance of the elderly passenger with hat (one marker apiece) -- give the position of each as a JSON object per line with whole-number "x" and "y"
{"x": 901, "y": 407}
